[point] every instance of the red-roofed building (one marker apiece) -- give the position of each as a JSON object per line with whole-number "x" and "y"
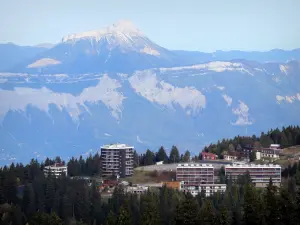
{"x": 208, "y": 156}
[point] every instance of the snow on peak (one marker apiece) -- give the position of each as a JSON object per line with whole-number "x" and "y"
{"x": 121, "y": 29}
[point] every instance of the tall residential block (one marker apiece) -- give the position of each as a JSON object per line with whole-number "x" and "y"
{"x": 117, "y": 160}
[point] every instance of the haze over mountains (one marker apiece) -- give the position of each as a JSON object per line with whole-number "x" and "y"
{"x": 116, "y": 85}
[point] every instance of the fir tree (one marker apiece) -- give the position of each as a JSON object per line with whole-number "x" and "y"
{"x": 187, "y": 212}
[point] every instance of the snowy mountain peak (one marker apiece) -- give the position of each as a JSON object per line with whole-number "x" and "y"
{"x": 120, "y": 29}
{"x": 125, "y": 26}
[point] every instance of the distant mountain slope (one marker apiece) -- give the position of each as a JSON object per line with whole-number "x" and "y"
{"x": 189, "y": 106}
{"x": 116, "y": 85}
{"x": 11, "y": 54}
{"x": 275, "y": 55}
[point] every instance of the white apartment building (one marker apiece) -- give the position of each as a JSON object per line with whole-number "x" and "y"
{"x": 56, "y": 170}
{"x": 137, "y": 189}
{"x": 259, "y": 174}
{"x": 117, "y": 159}
{"x": 207, "y": 189}
{"x": 267, "y": 153}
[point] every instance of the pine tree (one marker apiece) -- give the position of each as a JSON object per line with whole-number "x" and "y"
{"x": 252, "y": 215}
{"x": 174, "y": 155}
{"x": 111, "y": 219}
{"x": 287, "y": 207}
{"x": 149, "y": 158}
{"x": 271, "y": 204}
{"x": 124, "y": 217}
{"x": 66, "y": 207}
{"x": 50, "y": 194}
{"x": 298, "y": 206}
{"x": 82, "y": 206}
{"x": 207, "y": 214}
{"x": 187, "y": 156}
{"x": 17, "y": 216}
{"x": 161, "y": 155}
{"x": 28, "y": 202}
{"x": 149, "y": 211}
{"x": 223, "y": 217}
{"x": 187, "y": 212}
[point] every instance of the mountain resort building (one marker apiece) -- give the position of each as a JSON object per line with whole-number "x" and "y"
{"x": 117, "y": 160}
{"x": 260, "y": 174}
{"x": 194, "y": 174}
{"x": 57, "y": 170}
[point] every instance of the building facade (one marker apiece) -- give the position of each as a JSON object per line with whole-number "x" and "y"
{"x": 267, "y": 153}
{"x": 194, "y": 174}
{"x": 208, "y": 156}
{"x": 260, "y": 174}
{"x": 174, "y": 184}
{"x": 117, "y": 160}
{"x": 57, "y": 170}
{"x": 206, "y": 189}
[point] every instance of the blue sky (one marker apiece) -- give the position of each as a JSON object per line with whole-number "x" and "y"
{"x": 190, "y": 25}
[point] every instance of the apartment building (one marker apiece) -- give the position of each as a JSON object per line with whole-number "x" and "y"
{"x": 259, "y": 174}
{"x": 117, "y": 160}
{"x": 194, "y": 174}
{"x": 207, "y": 189}
{"x": 57, "y": 170}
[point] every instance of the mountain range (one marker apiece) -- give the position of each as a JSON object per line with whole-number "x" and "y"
{"x": 116, "y": 85}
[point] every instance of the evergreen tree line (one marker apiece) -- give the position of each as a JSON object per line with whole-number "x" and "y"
{"x": 150, "y": 157}
{"x": 292, "y": 172}
{"x": 286, "y": 137}
{"x": 28, "y": 197}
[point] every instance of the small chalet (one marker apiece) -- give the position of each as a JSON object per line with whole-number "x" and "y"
{"x": 208, "y": 156}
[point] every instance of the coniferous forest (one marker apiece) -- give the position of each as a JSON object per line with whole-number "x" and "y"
{"x": 286, "y": 137}
{"x": 28, "y": 197}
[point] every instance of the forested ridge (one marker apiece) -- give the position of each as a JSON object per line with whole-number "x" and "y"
{"x": 286, "y": 137}
{"x": 28, "y": 197}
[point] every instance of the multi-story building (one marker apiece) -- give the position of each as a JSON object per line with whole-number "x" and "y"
{"x": 267, "y": 153}
{"x": 57, "y": 170}
{"x": 117, "y": 160}
{"x": 207, "y": 189}
{"x": 194, "y": 174}
{"x": 259, "y": 174}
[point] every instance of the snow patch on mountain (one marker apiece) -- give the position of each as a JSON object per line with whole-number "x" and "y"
{"x": 288, "y": 99}
{"x": 220, "y": 87}
{"x": 284, "y": 69}
{"x": 227, "y": 99}
{"x": 146, "y": 84}
{"x": 44, "y": 62}
{"x": 242, "y": 112}
{"x": 106, "y": 91}
{"x": 150, "y": 51}
{"x": 216, "y": 66}
{"x": 123, "y": 29}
